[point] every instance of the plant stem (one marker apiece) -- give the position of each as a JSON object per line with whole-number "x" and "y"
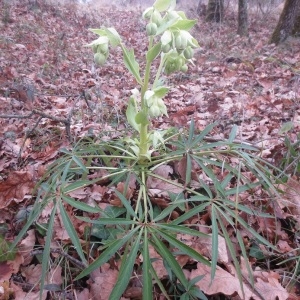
{"x": 145, "y": 196}
{"x": 144, "y": 127}
{"x": 162, "y": 62}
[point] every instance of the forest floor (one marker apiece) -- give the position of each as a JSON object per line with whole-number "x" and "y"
{"x": 52, "y": 94}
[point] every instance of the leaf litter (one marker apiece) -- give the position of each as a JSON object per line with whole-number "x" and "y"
{"x": 44, "y": 68}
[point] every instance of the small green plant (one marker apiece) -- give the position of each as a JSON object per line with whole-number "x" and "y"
{"x": 213, "y": 176}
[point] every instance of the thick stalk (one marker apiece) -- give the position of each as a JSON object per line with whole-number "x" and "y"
{"x": 144, "y": 127}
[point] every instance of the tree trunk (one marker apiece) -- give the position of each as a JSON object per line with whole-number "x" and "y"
{"x": 215, "y": 10}
{"x": 201, "y": 9}
{"x": 296, "y": 30}
{"x": 286, "y": 21}
{"x": 243, "y": 18}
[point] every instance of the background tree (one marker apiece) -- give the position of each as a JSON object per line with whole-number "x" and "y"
{"x": 243, "y": 18}
{"x": 215, "y": 10}
{"x": 201, "y": 8}
{"x": 287, "y": 22}
{"x": 296, "y": 30}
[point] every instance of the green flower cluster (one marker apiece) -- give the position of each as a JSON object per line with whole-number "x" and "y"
{"x": 177, "y": 44}
{"x": 100, "y": 49}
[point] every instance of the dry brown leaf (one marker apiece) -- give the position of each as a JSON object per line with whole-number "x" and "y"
{"x": 31, "y": 295}
{"x": 269, "y": 287}
{"x": 102, "y": 282}
{"x": 7, "y": 268}
{"x": 157, "y": 263}
{"x": 291, "y": 196}
{"x": 15, "y": 187}
{"x": 26, "y": 246}
{"x": 223, "y": 282}
{"x": 204, "y": 246}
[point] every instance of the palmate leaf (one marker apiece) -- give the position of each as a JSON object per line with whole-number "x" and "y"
{"x": 126, "y": 268}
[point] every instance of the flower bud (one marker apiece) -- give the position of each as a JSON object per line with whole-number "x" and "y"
{"x": 188, "y": 53}
{"x": 166, "y": 48}
{"x": 95, "y": 48}
{"x": 156, "y": 18}
{"x": 99, "y": 58}
{"x": 151, "y": 29}
{"x": 154, "y": 111}
{"x": 103, "y": 48}
{"x": 184, "y": 68}
{"x": 180, "y": 42}
{"x": 172, "y": 15}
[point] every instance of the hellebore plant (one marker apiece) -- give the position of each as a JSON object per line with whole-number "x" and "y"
{"x": 211, "y": 178}
{"x": 169, "y": 40}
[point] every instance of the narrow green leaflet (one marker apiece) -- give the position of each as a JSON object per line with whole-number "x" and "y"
{"x": 107, "y": 253}
{"x": 126, "y": 204}
{"x": 126, "y": 269}
{"x": 71, "y": 232}
{"x": 168, "y": 256}
{"x": 108, "y": 221}
{"x": 191, "y": 213}
{"x": 182, "y": 229}
{"x": 233, "y": 254}
{"x": 31, "y": 219}
{"x": 80, "y": 205}
{"x": 131, "y": 64}
{"x": 215, "y": 242}
{"x": 75, "y": 185}
{"x": 245, "y": 255}
{"x": 147, "y": 278}
{"x": 203, "y": 134}
{"x": 232, "y": 134}
{"x": 79, "y": 162}
{"x": 184, "y": 248}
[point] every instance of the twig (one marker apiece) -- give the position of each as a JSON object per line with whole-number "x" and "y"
{"x": 16, "y": 116}
{"x": 75, "y": 261}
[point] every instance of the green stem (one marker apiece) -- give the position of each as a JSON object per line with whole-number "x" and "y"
{"x": 144, "y": 127}
{"x": 145, "y": 196}
{"x": 162, "y": 62}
